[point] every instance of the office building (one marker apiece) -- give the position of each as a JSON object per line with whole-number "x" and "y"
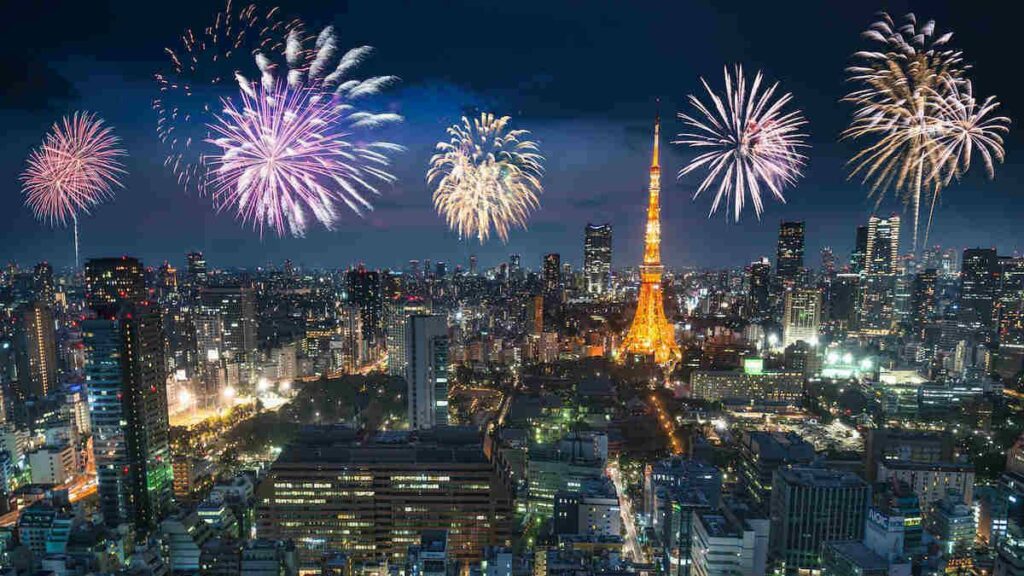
{"x": 859, "y": 255}
{"x": 801, "y": 317}
{"x": 35, "y": 351}
{"x": 373, "y": 498}
{"x": 789, "y": 259}
{"x": 1011, "y": 303}
{"x": 752, "y": 384}
{"x": 922, "y": 301}
{"x": 42, "y": 284}
{"x": 724, "y": 545}
{"x": 844, "y": 303}
{"x": 931, "y": 481}
{"x": 759, "y": 288}
{"x": 125, "y": 376}
{"x": 597, "y": 258}
{"x": 196, "y": 268}
{"x": 882, "y": 245}
{"x": 109, "y": 282}
{"x": 762, "y": 454}
{"x": 364, "y": 290}
{"x": 426, "y": 371}
{"x": 590, "y": 510}
{"x": 952, "y": 524}
{"x": 849, "y": 558}
{"x": 888, "y": 445}
{"x": 811, "y": 506}
{"x": 396, "y": 313}
{"x": 235, "y": 306}
{"x": 552, "y": 277}
{"x": 979, "y": 288}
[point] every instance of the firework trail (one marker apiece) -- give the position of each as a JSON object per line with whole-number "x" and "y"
{"x": 77, "y": 167}
{"x": 486, "y": 176}
{"x": 288, "y": 152}
{"x": 910, "y": 92}
{"x": 202, "y": 69}
{"x": 747, "y": 142}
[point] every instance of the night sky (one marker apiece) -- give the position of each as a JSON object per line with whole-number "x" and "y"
{"x": 582, "y": 76}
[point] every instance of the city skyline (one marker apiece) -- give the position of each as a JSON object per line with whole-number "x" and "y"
{"x": 594, "y": 139}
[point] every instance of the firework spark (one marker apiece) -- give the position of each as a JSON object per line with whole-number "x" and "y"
{"x": 202, "y": 69}
{"x": 748, "y": 142}
{"x": 286, "y": 152}
{"x": 895, "y": 108}
{"x": 77, "y": 167}
{"x": 486, "y": 176}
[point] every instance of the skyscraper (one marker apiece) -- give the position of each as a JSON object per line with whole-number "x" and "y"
{"x": 597, "y": 258}
{"x": 802, "y": 316}
{"x": 235, "y": 305}
{"x": 651, "y": 334}
{"x": 811, "y": 506}
{"x": 552, "y": 274}
{"x": 426, "y": 371}
{"x": 1011, "y": 302}
{"x": 110, "y": 282}
{"x": 883, "y": 245}
{"x": 979, "y": 284}
{"x": 396, "y": 312}
{"x": 759, "y": 286}
{"x": 789, "y": 259}
{"x": 197, "y": 275}
{"x": 35, "y": 351}
{"x": 364, "y": 290}
{"x": 922, "y": 301}
{"x": 878, "y": 282}
{"x": 860, "y": 250}
{"x": 125, "y": 376}
{"x": 42, "y": 283}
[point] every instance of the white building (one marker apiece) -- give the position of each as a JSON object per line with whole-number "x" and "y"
{"x": 723, "y": 546}
{"x": 426, "y": 370}
{"x": 52, "y": 464}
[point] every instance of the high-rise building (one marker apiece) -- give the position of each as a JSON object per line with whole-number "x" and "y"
{"x": 761, "y": 455}
{"x": 759, "y": 288}
{"x": 364, "y": 290}
{"x": 979, "y": 287}
{"x": 878, "y": 283}
{"x": 196, "y": 267}
{"x": 126, "y": 381}
{"x": 331, "y": 489}
{"x": 801, "y": 318}
{"x": 35, "y": 351}
{"x": 811, "y": 506}
{"x": 426, "y": 371}
{"x": 859, "y": 256}
{"x": 1011, "y": 303}
{"x": 651, "y": 334}
{"x": 597, "y": 258}
{"x": 922, "y": 301}
{"x": 42, "y": 283}
{"x": 396, "y": 312}
{"x": 883, "y": 245}
{"x": 843, "y": 304}
{"x": 235, "y": 305}
{"x": 472, "y": 265}
{"x": 828, "y": 262}
{"x": 789, "y": 259}
{"x": 110, "y": 282}
{"x": 552, "y": 275}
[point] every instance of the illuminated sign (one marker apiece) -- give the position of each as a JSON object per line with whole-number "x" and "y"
{"x": 753, "y": 365}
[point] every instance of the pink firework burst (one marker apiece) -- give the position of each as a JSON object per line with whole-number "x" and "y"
{"x": 77, "y": 167}
{"x": 288, "y": 152}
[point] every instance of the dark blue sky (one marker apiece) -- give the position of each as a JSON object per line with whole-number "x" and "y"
{"x": 582, "y": 76}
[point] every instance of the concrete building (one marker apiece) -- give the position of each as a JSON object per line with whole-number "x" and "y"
{"x": 931, "y": 481}
{"x": 811, "y": 506}
{"x": 372, "y": 498}
{"x": 801, "y": 318}
{"x": 724, "y": 546}
{"x": 426, "y": 371}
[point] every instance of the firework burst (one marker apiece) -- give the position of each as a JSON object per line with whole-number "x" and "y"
{"x": 202, "y": 69}
{"x": 747, "y": 142}
{"x": 77, "y": 167}
{"x": 286, "y": 153}
{"x": 486, "y": 177}
{"x": 917, "y": 111}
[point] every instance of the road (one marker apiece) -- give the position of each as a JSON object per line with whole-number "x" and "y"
{"x": 665, "y": 420}
{"x": 78, "y": 489}
{"x": 633, "y": 548}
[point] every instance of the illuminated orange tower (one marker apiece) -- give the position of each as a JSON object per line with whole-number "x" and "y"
{"x": 651, "y": 334}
